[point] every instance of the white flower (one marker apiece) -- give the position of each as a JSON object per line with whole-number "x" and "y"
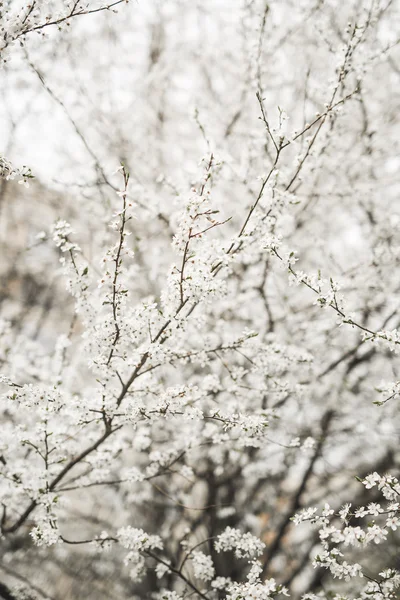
{"x": 344, "y": 512}
{"x": 327, "y": 511}
{"x": 137, "y": 539}
{"x": 161, "y": 570}
{"x": 221, "y": 583}
{"x": 202, "y": 565}
{"x": 306, "y": 514}
{"x": 371, "y": 480}
{"x": 45, "y": 534}
{"x": 374, "y": 509}
{"x": 376, "y": 534}
{"x": 393, "y": 523}
{"x": 244, "y": 545}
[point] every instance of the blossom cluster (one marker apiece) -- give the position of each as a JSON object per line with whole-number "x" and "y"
{"x": 9, "y": 172}
{"x": 349, "y": 528}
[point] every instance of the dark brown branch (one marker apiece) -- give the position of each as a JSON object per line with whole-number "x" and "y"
{"x": 295, "y": 502}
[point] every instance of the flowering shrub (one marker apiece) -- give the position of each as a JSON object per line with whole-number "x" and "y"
{"x": 199, "y": 348}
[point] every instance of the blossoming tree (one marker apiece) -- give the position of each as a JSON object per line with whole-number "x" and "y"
{"x": 199, "y": 300}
